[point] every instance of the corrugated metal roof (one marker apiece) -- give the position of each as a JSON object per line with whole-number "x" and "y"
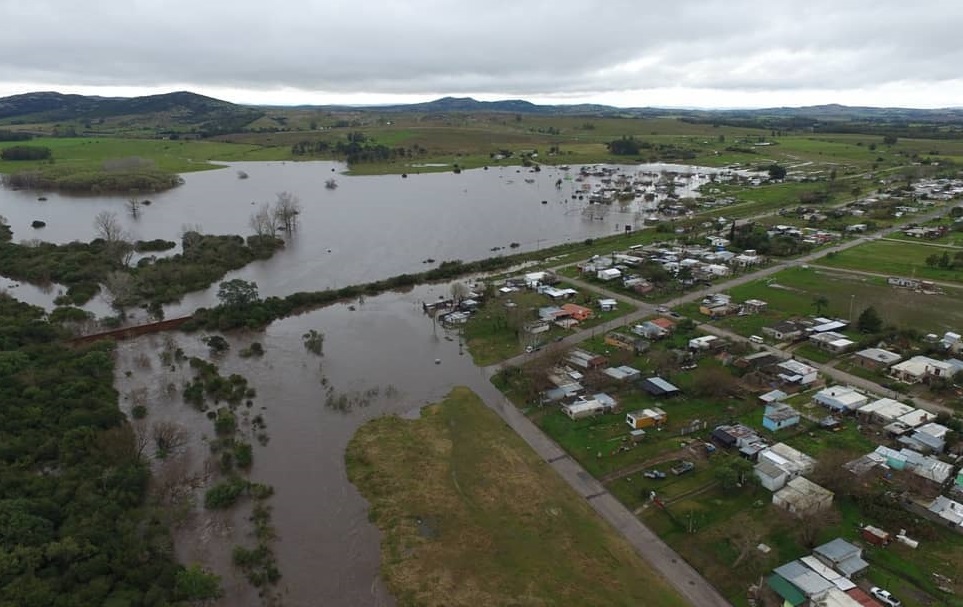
{"x": 786, "y": 590}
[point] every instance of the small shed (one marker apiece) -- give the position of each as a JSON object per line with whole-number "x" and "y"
{"x": 607, "y": 305}
{"x": 646, "y": 418}
{"x": 656, "y": 386}
{"x": 770, "y": 476}
{"x": 843, "y": 556}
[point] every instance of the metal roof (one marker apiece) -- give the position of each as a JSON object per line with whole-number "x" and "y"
{"x": 664, "y": 386}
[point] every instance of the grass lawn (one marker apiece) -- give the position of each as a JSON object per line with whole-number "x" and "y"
{"x": 889, "y": 257}
{"x": 471, "y": 516}
{"x": 791, "y": 293}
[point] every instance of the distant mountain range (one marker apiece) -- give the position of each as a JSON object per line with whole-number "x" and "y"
{"x": 214, "y": 115}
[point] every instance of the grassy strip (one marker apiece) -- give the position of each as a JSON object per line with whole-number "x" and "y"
{"x": 472, "y": 517}
{"x": 906, "y": 259}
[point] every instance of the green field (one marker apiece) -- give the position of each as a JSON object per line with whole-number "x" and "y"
{"x": 471, "y": 516}
{"x": 906, "y": 259}
{"x": 791, "y": 293}
{"x": 179, "y": 156}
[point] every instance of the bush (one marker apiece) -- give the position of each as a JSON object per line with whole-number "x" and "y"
{"x": 225, "y": 494}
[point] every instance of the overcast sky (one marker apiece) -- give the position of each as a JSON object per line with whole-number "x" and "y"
{"x": 688, "y": 53}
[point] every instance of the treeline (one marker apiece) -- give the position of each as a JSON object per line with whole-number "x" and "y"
{"x": 628, "y": 145}
{"x": 356, "y": 147}
{"x": 26, "y": 152}
{"x": 254, "y": 314}
{"x": 14, "y": 136}
{"x": 75, "y": 528}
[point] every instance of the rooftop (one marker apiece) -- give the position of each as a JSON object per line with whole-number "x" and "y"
{"x": 878, "y": 354}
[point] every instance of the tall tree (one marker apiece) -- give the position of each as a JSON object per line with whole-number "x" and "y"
{"x": 287, "y": 207}
{"x": 869, "y": 321}
{"x": 820, "y": 302}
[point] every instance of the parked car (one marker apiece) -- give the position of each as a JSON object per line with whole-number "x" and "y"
{"x": 884, "y": 597}
{"x": 654, "y": 474}
{"x": 662, "y": 309}
{"x": 682, "y": 467}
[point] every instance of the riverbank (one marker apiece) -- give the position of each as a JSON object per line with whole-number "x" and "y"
{"x": 455, "y": 487}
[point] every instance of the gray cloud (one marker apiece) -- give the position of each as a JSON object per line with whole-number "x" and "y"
{"x": 535, "y": 48}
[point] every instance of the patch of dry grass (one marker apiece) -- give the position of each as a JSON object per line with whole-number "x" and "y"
{"x": 472, "y": 516}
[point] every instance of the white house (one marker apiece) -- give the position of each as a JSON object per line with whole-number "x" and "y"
{"x": 885, "y": 410}
{"x": 795, "y": 372}
{"x": 918, "y": 368}
{"x": 608, "y": 274}
{"x": 840, "y": 398}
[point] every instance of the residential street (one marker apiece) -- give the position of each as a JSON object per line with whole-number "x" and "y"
{"x": 686, "y": 580}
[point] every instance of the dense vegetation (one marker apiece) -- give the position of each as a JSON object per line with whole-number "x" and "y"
{"x": 25, "y": 152}
{"x": 84, "y": 267}
{"x": 92, "y": 181}
{"x": 74, "y": 527}
{"x": 14, "y": 136}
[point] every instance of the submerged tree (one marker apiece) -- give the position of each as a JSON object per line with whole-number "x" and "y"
{"x": 286, "y": 211}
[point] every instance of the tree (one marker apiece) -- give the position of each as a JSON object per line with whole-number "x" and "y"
{"x": 107, "y": 227}
{"x": 869, "y": 321}
{"x": 890, "y": 139}
{"x": 714, "y": 382}
{"x": 237, "y": 293}
{"x": 458, "y": 291}
{"x": 264, "y": 221}
{"x": 197, "y": 585}
{"x": 286, "y": 211}
{"x": 776, "y": 172}
{"x": 820, "y": 302}
{"x": 133, "y": 207}
{"x": 626, "y": 146}
{"x": 734, "y": 474}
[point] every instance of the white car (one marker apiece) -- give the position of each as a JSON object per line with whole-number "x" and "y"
{"x": 884, "y": 597}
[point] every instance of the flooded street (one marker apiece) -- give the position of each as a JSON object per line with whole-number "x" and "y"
{"x": 327, "y": 550}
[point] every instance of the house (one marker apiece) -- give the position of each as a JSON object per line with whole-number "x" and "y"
{"x": 786, "y": 330}
{"x": 823, "y": 325}
{"x": 608, "y": 274}
{"x": 770, "y": 476}
{"x": 551, "y": 313}
{"x": 830, "y": 341}
{"x": 920, "y": 368}
{"x": 584, "y": 407}
{"x": 952, "y": 342}
{"x": 779, "y": 416}
{"x": 585, "y": 360}
{"x": 743, "y": 438}
{"x": 649, "y": 330}
{"x": 779, "y": 464}
{"x": 928, "y": 438}
{"x": 664, "y": 323}
{"x": 555, "y": 293}
{"x": 646, "y": 418}
{"x": 607, "y": 305}
{"x": 714, "y": 269}
{"x": 948, "y": 510}
{"x": 773, "y": 397}
{"x": 793, "y": 372}
{"x": 884, "y": 410}
{"x": 703, "y": 343}
{"x": 808, "y": 585}
{"x": 656, "y": 386}
{"x": 876, "y": 359}
{"x": 840, "y": 398}
{"x": 903, "y": 283}
{"x": 579, "y": 313}
{"x": 718, "y": 310}
{"x": 536, "y": 327}
{"x": 843, "y": 556}
{"x": 623, "y": 373}
{"x": 801, "y": 496}
{"x": 753, "y": 306}
{"x": 622, "y": 341}
{"x": 793, "y": 461}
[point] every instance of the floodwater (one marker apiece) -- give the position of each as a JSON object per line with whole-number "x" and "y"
{"x": 368, "y": 228}
{"x": 327, "y": 550}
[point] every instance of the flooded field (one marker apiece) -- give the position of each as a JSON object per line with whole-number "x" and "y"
{"x": 379, "y": 358}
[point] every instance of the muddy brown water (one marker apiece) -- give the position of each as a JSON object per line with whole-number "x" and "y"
{"x": 327, "y": 550}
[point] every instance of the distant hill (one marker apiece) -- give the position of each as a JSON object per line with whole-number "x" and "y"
{"x": 189, "y": 112}
{"x": 182, "y": 108}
